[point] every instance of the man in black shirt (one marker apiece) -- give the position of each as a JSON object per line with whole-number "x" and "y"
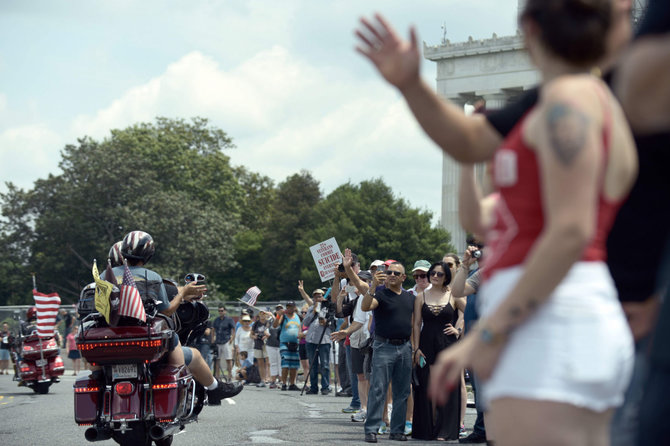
{"x": 392, "y": 358}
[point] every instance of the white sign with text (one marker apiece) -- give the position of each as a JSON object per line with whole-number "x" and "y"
{"x": 326, "y": 255}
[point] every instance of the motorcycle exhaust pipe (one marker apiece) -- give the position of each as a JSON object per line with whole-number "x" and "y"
{"x": 157, "y": 432}
{"x": 95, "y": 434}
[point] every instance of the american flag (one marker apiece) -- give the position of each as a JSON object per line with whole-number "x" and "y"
{"x": 251, "y": 295}
{"x": 47, "y": 309}
{"x": 131, "y": 302}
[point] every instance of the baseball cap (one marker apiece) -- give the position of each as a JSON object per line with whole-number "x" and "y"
{"x": 318, "y": 291}
{"x": 279, "y": 306}
{"x": 290, "y": 303}
{"x": 246, "y": 317}
{"x": 365, "y": 275}
{"x": 376, "y": 263}
{"x": 421, "y": 265}
{"x": 389, "y": 261}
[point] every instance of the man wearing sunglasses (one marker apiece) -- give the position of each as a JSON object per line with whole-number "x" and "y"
{"x": 224, "y": 334}
{"x": 392, "y": 358}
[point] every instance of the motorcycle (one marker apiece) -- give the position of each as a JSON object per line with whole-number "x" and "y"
{"x": 134, "y": 397}
{"x": 37, "y": 362}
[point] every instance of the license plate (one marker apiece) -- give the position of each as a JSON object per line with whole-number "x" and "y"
{"x": 41, "y": 362}
{"x": 124, "y": 371}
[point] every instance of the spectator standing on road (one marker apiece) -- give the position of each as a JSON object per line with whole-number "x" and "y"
{"x": 72, "y": 352}
{"x": 260, "y": 334}
{"x": 243, "y": 340}
{"x": 272, "y": 347}
{"x": 466, "y": 283}
{"x": 67, "y": 321}
{"x": 224, "y": 336}
{"x": 435, "y": 316}
{"x": 318, "y": 347}
{"x": 289, "y": 323}
{"x": 392, "y": 358}
{"x": 5, "y": 344}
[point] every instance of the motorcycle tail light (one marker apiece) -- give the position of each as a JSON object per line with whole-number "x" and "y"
{"x": 112, "y": 344}
{"x": 166, "y": 420}
{"x": 86, "y": 389}
{"x": 164, "y": 386}
{"x": 51, "y": 344}
{"x": 24, "y": 368}
{"x": 124, "y": 388}
{"x": 27, "y": 348}
{"x": 58, "y": 362}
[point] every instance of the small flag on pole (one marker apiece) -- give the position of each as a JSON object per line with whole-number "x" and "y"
{"x": 131, "y": 302}
{"x": 47, "y": 309}
{"x": 102, "y": 291}
{"x": 251, "y": 295}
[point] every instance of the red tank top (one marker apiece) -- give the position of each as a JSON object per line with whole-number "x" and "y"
{"x": 518, "y": 214}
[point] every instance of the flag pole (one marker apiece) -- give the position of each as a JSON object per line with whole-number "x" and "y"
{"x": 34, "y": 283}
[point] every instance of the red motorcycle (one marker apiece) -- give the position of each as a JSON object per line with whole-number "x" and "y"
{"x": 37, "y": 362}
{"x": 135, "y": 397}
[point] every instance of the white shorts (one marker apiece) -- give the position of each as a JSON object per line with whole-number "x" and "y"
{"x": 576, "y": 349}
{"x": 225, "y": 351}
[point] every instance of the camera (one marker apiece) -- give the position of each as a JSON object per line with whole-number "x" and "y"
{"x": 340, "y": 268}
{"x": 477, "y": 254}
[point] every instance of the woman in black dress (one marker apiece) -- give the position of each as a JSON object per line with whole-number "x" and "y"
{"x": 436, "y": 313}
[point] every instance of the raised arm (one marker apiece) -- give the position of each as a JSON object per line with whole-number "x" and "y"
{"x": 467, "y": 139}
{"x": 304, "y": 295}
{"x": 459, "y": 285}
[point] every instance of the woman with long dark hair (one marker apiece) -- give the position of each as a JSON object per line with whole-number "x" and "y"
{"x": 436, "y": 312}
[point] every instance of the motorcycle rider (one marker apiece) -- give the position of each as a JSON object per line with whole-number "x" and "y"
{"x": 137, "y": 247}
{"x": 30, "y": 324}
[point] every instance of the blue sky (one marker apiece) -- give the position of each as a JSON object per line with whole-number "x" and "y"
{"x": 280, "y": 77}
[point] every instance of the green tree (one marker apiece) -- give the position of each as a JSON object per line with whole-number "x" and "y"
{"x": 291, "y": 215}
{"x": 169, "y": 178}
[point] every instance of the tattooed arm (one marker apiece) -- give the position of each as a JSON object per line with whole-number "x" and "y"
{"x": 566, "y": 133}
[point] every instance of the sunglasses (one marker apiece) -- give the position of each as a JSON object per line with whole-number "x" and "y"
{"x": 437, "y": 273}
{"x": 221, "y": 311}
{"x": 194, "y": 277}
{"x": 419, "y": 276}
{"x": 394, "y": 273}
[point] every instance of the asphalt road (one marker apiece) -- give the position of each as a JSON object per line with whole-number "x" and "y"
{"x": 255, "y": 416}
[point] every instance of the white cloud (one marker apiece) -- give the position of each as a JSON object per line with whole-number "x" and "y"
{"x": 27, "y": 153}
{"x": 286, "y": 115}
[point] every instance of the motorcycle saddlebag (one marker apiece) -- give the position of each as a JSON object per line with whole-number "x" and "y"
{"x": 169, "y": 389}
{"x": 56, "y": 366}
{"x": 87, "y": 393}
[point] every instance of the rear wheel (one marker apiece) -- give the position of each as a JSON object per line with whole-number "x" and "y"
{"x": 167, "y": 441}
{"x": 138, "y": 436}
{"x": 41, "y": 388}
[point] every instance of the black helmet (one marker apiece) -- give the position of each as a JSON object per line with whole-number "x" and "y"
{"x": 138, "y": 245}
{"x": 115, "y": 254}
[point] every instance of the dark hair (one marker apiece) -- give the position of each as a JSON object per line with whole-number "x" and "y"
{"x": 447, "y": 272}
{"x": 574, "y": 30}
{"x": 453, "y": 256}
{"x": 244, "y": 353}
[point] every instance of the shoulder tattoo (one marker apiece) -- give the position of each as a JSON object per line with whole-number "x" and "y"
{"x": 567, "y": 129}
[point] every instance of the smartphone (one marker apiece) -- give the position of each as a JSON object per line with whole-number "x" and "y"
{"x": 422, "y": 362}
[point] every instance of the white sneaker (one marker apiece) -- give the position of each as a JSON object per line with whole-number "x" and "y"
{"x": 360, "y": 416}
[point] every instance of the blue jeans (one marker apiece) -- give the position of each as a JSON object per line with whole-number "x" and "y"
{"x": 205, "y": 350}
{"x": 478, "y": 427}
{"x": 321, "y": 364}
{"x": 353, "y": 379}
{"x": 389, "y": 363}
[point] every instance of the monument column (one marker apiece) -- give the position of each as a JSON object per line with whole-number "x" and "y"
{"x": 450, "y": 177}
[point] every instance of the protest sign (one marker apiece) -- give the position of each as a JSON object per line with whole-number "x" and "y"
{"x": 326, "y": 255}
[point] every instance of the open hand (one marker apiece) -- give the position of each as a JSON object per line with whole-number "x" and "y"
{"x": 396, "y": 59}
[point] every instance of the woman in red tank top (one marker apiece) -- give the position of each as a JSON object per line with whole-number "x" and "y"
{"x": 552, "y": 343}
